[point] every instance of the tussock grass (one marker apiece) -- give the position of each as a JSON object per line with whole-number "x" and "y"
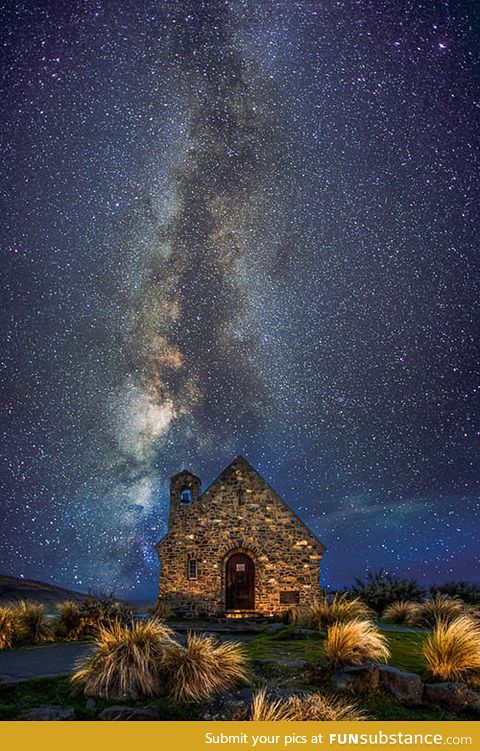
{"x": 162, "y": 610}
{"x": 316, "y": 707}
{"x": 340, "y": 609}
{"x": 127, "y": 662}
{"x": 202, "y": 668}
{"x": 322, "y": 613}
{"x": 7, "y": 628}
{"x": 263, "y": 709}
{"x": 68, "y": 622}
{"x": 452, "y": 650}
{"x": 400, "y": 612}
{"x": 29, "y": 623}
{"x": 354, "y": 643}
{"x": 440, "y": 608}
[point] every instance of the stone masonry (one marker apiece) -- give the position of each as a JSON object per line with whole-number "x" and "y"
{"x": 238, "y": 514}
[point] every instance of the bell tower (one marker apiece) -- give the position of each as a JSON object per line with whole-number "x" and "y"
{"x": 185, "y": 490}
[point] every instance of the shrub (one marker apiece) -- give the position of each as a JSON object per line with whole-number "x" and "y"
{"x": 439, "y": 608}
{"x": 399, "y": 612}
{"x": 379, "y": 590}
{"x": 466, "y": 591}
{"x": 127, "y": 661}
{"x": 315, "y": 707}
{"x": 102, "y": 611}
{"x": 29, "y": 623}
{"x": 354, "y": 643}
{"x": 68, "y": 622}
{"x": 452, "y": 650}
{"x": 162, "y": 610}
{"x": 7, "y": 628}
{"x": 203, "y": 667}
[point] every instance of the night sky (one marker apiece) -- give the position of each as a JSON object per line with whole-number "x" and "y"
{"x": 239, "y": 227}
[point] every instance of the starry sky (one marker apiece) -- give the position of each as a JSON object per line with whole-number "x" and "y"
{"x": 239, "y": 226}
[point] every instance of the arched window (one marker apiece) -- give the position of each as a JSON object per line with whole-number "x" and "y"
{"x": 186, "y": 497}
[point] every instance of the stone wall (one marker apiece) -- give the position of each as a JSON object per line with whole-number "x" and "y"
{"x": 239, "y": 512}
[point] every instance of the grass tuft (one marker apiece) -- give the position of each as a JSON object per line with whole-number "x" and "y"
{"x": 439, "y": 608}
{"x": 452, "y": 650}
{"x": 400, "y": 611}
{"x": 315, "y": 707}
{"x": 203, "y": 667}
{"x": 354, "y": 643}
{"x": 127, "y": 662}
{"x": 7, "y": 628}
{"x": 29, "y": 623}
{"x": 68, "y": 622}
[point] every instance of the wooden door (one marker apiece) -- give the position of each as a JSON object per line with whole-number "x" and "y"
{"x": 240, "y": 579}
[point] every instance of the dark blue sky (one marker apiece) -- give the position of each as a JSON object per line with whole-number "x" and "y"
{"x": 239, "y": 227}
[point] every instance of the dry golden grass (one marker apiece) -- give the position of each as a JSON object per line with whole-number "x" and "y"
{"x": 203, "y": 667}
{"x": 340, "y": 609}
{"x": 30, "y": 626}
{"x": 354, "y": 643}
{"x": 127, "y": 662}
{"x": 322, "y": 613}
{"x": 400, "y": 611}
{"x": 68, "y": 622}
{"x": 7, "y": 628}
{"x": 162, "y": 611}
{"x": 315, "y": 707}
{"x": 264, "y": 709}
{"x": 440, "y": 608}
{"x": 452, "y": 650}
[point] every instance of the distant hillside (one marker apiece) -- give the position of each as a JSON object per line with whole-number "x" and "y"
{"x": 13, "y": 589}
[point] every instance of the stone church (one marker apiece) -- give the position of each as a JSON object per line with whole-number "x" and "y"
{"x": 235, "y": 549}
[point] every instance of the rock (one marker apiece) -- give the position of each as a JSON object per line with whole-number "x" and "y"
{"x": 50, "y": 712}
{"x": 274, "y": 628}
{"x": 234, "y": 706}
{"x": 90, "y": 703}
{"x": 361, "y": 679}
{"x": 456, "y": 696}
{"x": 406, "y": 687}
{"x": 127, "y": 713}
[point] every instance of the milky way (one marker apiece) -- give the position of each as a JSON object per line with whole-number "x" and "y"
{"x": 239, "y": 227}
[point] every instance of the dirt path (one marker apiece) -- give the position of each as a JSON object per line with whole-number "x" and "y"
{"x": 45, "y": 661}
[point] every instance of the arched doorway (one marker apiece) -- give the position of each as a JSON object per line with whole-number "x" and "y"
{"x": 240, "y": 582}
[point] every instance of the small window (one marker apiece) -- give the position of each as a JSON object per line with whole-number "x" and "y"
{"x": 192, "y": 568}
{"x": 240, "y": 567}
{"x": 186, "y": 497}
{"x": 290, "y": 598}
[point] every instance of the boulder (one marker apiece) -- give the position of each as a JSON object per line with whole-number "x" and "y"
{"x": 406, "y": 687}
{"x": 363, "y": 679}
{"x": 234, "y": 706}
{"x": 50, "y": 712}
{"x": 127, "y": 713}
{"x": 360, "y": 679}
{"x": 455, "y": 696}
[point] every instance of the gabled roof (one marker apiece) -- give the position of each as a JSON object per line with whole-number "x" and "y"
{"x": 240, "y": 462}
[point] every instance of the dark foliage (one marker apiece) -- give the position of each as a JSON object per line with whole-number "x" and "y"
{"x": 379, "y": 589}
{"x": 466, "y": 591}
